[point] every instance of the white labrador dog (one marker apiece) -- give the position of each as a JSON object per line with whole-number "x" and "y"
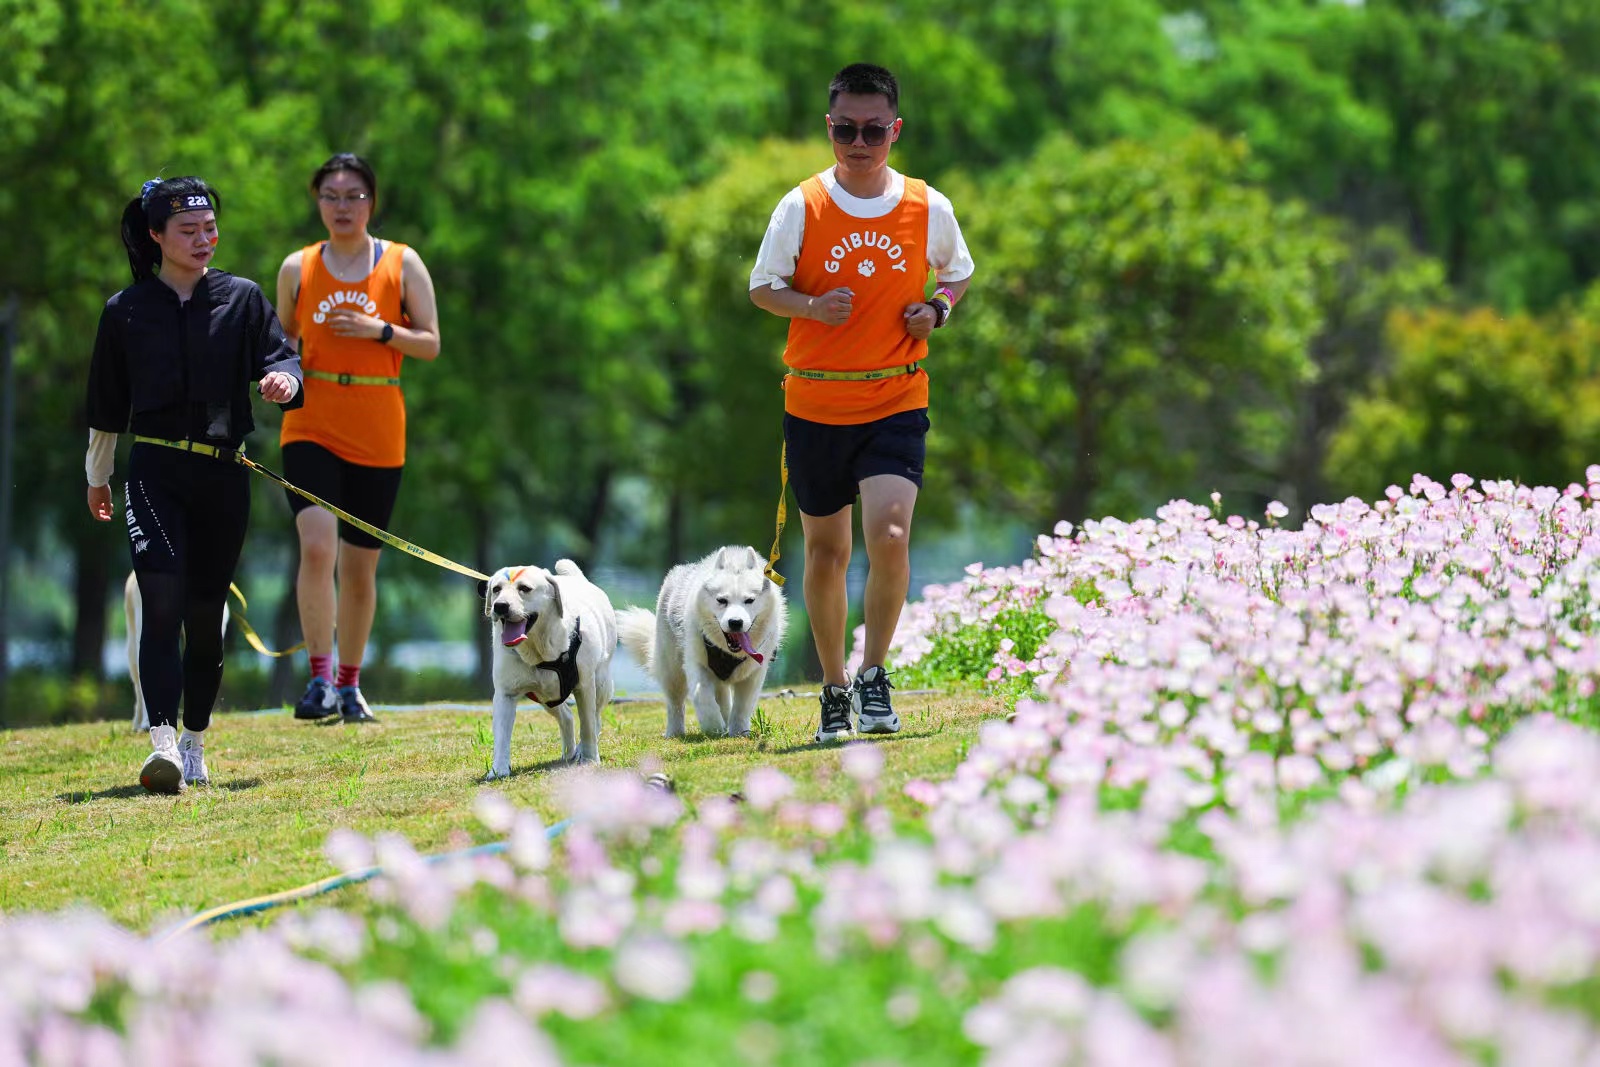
{"x": 554, "y": 636}
{"x": 133, "y": 614}
{"x": 710, "y": 642}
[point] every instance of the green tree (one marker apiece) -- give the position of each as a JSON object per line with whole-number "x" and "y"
{"x": 1480, "y": 393}
{"x": 1139, "y": 329}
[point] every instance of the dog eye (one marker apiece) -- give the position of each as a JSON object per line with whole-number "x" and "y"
{"x": 722, "y": 601}
{"x": 749, "y": 600}
{"x": 524, "y": 587}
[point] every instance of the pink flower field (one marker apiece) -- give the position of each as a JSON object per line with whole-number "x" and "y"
{"x": 1325, "y": 796}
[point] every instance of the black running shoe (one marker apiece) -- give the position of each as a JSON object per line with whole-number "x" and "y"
{"x": 874, "y": 713}
{"x": 836, "y": 707}
{"x": 320, "y": 701}
{"x": 354, "y": 705}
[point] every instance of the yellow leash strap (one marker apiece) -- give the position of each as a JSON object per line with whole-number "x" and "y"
{"x": 250, "y": 634}
{"x": 783, "y": 516}
{"x": 854, "y": 375}
{"x": 348, "y": 379}
{"x": 383, "y": 535}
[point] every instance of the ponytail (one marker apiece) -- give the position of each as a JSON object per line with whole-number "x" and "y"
{"x": 144, "y": 254}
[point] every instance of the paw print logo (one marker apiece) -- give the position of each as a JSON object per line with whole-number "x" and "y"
{"x": 866, "y": 268}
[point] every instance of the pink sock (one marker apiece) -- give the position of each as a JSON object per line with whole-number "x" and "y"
{"x": 322, "y": 667}
{"x": 349, "y": 675}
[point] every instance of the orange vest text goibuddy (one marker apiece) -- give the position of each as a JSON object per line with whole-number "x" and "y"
{"x": 884, "y": 262}
{"x": 363, "y": 424}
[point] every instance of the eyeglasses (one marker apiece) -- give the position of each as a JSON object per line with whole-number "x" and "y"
{"x": 349, "y": 199}
{"x": 872, "y": 135}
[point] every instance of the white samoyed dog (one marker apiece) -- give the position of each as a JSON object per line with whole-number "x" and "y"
{"x": 554, "y": 635}
{"x": 711, "y": 639}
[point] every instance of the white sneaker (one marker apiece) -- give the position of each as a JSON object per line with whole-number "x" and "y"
{"x": 163, "y": 768}
{"x": 874, "y": 713}
{"x": 192, "y": 746}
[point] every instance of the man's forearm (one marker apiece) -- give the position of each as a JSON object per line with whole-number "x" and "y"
{"x": 785, "y": 303}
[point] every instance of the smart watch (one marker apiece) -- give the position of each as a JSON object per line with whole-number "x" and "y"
{"x": 388, "y": 333}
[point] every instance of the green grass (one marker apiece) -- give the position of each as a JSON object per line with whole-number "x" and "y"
{"x": 76, "y": 827}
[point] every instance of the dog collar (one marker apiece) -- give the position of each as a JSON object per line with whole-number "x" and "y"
{"x": 721, "y": 662}
{"x": 565, "y": 667}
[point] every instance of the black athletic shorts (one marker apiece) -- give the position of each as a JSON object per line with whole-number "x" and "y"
{"x": 828, "y": 463}
{"x": 368, "y": 493}
{"x": 186, "y": 515}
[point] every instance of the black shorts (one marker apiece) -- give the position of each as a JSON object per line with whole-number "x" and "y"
{"x": 828, "y": 463}
{"x": 186, "y": 515}
{"x": 368, "y": 493}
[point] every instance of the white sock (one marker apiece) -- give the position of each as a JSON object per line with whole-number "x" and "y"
{"x": 192, "y": 737}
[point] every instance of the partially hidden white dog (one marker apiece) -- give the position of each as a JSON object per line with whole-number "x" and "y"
{"x": 554, "y": 635}
{"x": 133, "y": 614}
{"x": 710, "y": 642}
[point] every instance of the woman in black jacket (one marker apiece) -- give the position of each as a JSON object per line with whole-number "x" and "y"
{"x": 173, "y": 362}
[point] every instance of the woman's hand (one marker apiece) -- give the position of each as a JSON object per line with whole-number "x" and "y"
{"x": 278, "y": 387}
{"x": 347, "y": 322}
{"x": 100, "y": 502}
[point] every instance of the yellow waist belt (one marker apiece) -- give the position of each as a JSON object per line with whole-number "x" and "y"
{"x": 196, "y": 447}
{"x": 854, "y": 375}
{"x": 349, "y": 379}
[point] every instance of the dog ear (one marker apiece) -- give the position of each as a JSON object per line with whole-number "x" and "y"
{"x": 555, "y": 591}
{"x": 483, "y": 595}
{"x": 755, "y": 557}
{"x": 717, "y": 564}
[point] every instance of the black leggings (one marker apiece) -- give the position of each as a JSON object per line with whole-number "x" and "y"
{"x": 186, "y": 516}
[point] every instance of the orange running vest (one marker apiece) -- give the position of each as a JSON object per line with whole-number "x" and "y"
{"x": 364, "y": 424}
{"x": 884, "y": 261}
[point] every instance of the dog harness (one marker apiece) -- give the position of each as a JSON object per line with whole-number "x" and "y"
{"x": 721, "y": 662}
{"x": 565, "y": 667}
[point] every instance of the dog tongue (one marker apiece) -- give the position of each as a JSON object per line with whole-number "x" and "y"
{"x": 742, "y": 639}
{"x": 513, "y": 632}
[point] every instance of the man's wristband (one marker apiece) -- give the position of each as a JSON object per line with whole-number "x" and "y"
{"x": 940, "y": 303}
{"x": 387, "y": 335}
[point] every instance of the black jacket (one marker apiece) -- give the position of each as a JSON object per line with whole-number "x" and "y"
{"x": 183, "y": 370}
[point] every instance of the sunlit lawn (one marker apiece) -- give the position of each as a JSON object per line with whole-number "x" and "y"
{"x": 76, "y": 827}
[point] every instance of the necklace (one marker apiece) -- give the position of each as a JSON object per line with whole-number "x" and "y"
{"x": 353, "y": 270}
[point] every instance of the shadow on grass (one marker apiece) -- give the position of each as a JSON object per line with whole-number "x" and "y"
{"x": 123, "y": 792}
{"x": 838, "y": 745}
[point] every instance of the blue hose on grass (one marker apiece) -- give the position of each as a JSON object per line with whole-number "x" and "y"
{"x": 254, "y": 905}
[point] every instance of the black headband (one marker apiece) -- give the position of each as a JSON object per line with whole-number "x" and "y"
{"x": 158, "y": 209}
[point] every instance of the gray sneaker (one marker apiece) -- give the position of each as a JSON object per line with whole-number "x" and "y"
{"x": 835, "y": 713}
{"x": 163, "y": 768}
{"x": 320, "y": 701}
{"x": 874, "y": 713}
{"x": 354, "y": 706}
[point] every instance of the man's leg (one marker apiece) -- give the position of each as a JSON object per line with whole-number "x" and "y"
{"x": 887, "y": 501}
{"x": 828, "y": 541}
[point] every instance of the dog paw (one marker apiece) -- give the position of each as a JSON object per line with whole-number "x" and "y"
{"x": 497, "y": 774}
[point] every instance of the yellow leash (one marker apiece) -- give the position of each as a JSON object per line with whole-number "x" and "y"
{"x": 383, "y": 535}
{"x": 250, "y": 634}
{"x": 783, "y": 516}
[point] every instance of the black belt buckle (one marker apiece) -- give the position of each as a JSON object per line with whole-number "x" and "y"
{"x": 344, "y": 379}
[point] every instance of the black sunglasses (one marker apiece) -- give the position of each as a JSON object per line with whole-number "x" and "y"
{"x": 871, "y": 135}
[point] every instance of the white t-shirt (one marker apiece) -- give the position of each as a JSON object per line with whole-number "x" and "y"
{"x": 780, "y": 248}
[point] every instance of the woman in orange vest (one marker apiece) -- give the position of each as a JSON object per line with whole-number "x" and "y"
{"x": 358, "y": 306}
{"x": 846, "y": 260}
